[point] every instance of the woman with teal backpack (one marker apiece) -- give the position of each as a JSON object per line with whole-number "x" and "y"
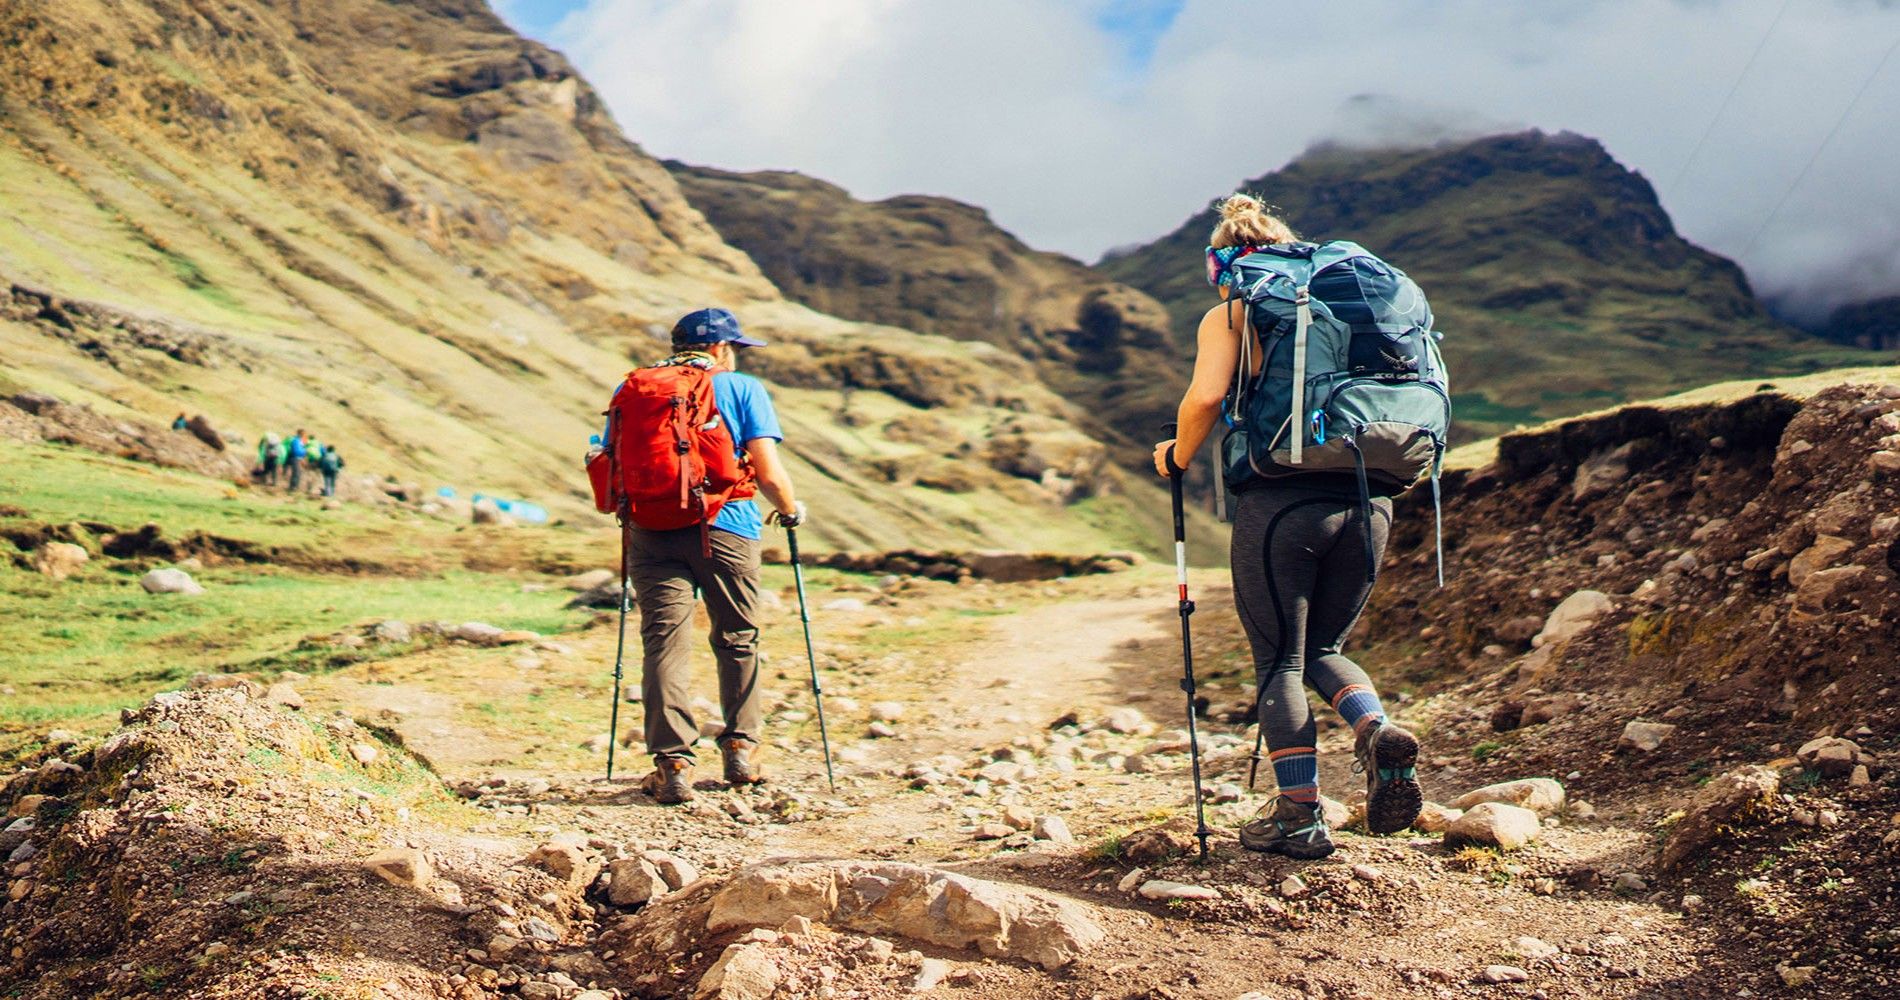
{"x": 1306, "y": 542}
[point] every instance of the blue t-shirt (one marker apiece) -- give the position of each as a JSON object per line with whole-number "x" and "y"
{"x": 747, "y": 410}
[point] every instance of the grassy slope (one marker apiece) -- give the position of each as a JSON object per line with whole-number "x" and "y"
{"x": 1559, "y": 281}
{"x": 425, "y": 279}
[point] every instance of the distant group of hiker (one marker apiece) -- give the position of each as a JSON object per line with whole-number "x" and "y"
{"x": 1321, "y": 362}
{"x": 290, "y": 455}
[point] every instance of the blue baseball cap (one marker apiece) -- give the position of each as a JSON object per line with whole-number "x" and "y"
{"x": 712, "y": 326}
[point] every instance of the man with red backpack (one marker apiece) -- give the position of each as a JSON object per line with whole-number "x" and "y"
{"x": 689, "y": 442}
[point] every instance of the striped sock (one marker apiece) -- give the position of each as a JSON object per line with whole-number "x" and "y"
{"x": 1359, "y": 705}
{"x": 1296, "y": 769}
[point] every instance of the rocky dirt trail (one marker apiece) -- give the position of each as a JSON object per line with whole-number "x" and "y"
{"x": 1060, "y": 808}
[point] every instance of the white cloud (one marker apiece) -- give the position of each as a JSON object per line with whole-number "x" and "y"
{"x": 1026, "y": 106}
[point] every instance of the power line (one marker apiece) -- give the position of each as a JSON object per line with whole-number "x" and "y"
{"x": 1822, "y": 148}
{"x": 1733, "y": 88}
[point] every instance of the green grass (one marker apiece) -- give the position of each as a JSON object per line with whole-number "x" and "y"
{"x": 95, "y": 643}
{"x": 79, "y": 650}
{"x": 1485, "y": 750}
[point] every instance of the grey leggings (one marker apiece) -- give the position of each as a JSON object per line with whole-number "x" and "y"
{"x": 1300, "y": 583}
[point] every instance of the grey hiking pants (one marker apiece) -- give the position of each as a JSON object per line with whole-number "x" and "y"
{"x": 666, "y": 566}
{"x": 1299, "y": 563}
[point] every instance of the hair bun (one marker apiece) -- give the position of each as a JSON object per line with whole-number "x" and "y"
{"x": 1245, "y": 220}
{"x": 1239, "y": 205}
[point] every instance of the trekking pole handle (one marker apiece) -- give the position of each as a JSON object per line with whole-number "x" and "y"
{"x": 1175, "y": 492}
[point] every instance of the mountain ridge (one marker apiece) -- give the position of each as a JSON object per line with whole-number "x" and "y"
{"x": 1537, "y": 250}
{"x": 943, "y": 266}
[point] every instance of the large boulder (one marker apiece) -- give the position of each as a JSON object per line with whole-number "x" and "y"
{"x": 1543, "y": 796}
{"x": 1573, "y": 617}
{"x": 891, "y": 899}
{"x": 1833, "y": 756}
{"x": 1823, "y": 554}
{"x": 1494, "y": 824}
{"x": 170, "y": 581}
{"x": 1741, "y": 797}
{"x": 201, "y": 428}
{"x": 59, "y": 560}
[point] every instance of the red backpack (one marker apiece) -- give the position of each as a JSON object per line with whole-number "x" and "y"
{"x": 668, "y": 460}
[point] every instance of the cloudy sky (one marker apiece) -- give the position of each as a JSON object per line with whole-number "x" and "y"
{"x": 1087, "y": 124}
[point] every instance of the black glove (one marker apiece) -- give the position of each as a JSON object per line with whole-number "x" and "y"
{"x": 789, "y": 521}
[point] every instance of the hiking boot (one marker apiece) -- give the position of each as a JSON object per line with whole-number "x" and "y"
{"x": 1287, "y": 827}
{"x": 671, "y": 782}
{"x": 741, "y": 768}
{"x": 1389, "y": 756}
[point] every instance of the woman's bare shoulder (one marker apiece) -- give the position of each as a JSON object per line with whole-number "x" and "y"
{"x": 1222, "y": 316}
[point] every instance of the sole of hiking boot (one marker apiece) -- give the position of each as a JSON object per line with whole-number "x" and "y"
{"x": 1286, "y": 848}
{"x": 1394, "y": 803}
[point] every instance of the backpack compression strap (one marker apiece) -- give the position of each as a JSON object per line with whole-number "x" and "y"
{"x": 1303, "y": 310}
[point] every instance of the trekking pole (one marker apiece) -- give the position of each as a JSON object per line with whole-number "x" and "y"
{"x": 817, "y": 691}
{"x": 620, "y": 651}
{"x": 1187, "y": 643}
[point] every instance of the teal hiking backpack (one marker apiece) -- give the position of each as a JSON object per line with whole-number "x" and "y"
{"x": 1350, "y": 380}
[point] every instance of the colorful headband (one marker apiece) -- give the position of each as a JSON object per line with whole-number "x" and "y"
{"x": 1220, "y": 263}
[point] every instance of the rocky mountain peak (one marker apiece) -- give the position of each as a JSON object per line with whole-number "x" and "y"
{"x": 1558, "y": 277}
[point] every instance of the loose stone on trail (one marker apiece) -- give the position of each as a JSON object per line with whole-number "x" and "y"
{"x": 402, "y": 866}
{"x": 1163, "y": 889}
{"x": 1645, "y": 737}
{"x": 1494, "y": 824}
{"x": 1053, "y": 829}
{"x": 1543, "y": 796}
